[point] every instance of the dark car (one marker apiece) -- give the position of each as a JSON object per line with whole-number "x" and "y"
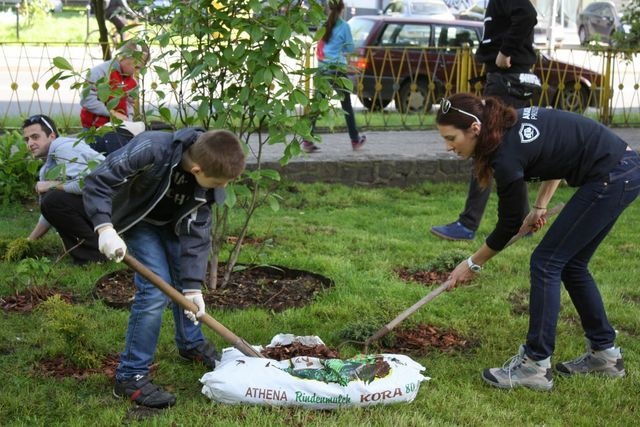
{"x": 598, "y": 21}
{"x": 416, "y": 61}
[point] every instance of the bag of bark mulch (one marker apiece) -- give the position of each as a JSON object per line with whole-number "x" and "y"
{"x": 311, "y": 382}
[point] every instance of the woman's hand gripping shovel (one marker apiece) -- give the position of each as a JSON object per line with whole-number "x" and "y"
{"x": 437, "y": 291}
{"x": 179, "y": 299}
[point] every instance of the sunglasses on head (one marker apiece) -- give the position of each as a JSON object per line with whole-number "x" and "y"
{"x": 445, "y": 106}
{"x": 38, "y": 119}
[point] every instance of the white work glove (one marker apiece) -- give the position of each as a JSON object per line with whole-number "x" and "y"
{"x": 194, "y": 296}
{"x": 111, "y": 245}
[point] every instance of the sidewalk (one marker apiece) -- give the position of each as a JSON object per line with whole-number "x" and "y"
{"x": 389, "y": 158}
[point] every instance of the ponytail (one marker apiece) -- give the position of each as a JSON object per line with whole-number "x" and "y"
{"x": 335, "y": 10}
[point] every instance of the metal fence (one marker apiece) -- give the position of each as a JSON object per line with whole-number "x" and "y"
{"x": 398, "y": 91}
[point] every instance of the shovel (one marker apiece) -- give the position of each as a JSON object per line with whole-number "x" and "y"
{"x": 437, "y": 291}
{"x": 183, "y": 302}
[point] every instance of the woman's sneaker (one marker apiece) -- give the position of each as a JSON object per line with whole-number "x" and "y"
{"x": 309, "y": 147}
{"x": 520, "y": 370}
{"x": 356, "y": 145}
{"x": 142, "y": 391}
{"x": 607, "y": 362}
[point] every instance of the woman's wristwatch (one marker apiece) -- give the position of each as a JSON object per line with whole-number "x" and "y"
{"x": 473, "y": 266}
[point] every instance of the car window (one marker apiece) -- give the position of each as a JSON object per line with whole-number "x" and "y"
{"x": 360, "y": 30}
{"x": 414, "y": 35}
{"x": 445, "y": 36}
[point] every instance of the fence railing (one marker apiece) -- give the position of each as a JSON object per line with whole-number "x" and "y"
{"x": 405, "y": 82}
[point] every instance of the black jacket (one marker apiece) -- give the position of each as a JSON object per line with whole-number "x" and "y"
{"x": 508, "y": 28}
{"x": 132, "y": 180}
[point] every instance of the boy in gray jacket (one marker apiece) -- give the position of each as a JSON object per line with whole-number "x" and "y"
{"x": 156, "y": 192}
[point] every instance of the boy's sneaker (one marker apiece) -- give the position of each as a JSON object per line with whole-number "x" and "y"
{"x": 309, "y": 147}
{"x": 142, "y": 391}
{"x": 453, "y": 231}
{"x": 204, "y": 352}
{"x": 520, "y": 370}
{"x": 356, "y": 145}
{"x": 607, "y": 362}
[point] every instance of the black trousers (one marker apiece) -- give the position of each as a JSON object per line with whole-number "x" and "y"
{"x": 478, "y": 197}
{"x": 65, "y": 212}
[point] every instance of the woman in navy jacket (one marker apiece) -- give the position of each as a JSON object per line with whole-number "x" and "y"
{"x": 536, "y": 144}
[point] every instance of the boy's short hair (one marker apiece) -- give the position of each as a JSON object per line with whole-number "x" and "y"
{"x": 46, "y": 123}
{"x": 219, "y": 154}
{"x": 134, "y": 49}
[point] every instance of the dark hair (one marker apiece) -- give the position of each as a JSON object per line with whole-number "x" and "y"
{"x": 219, "y": 154}
{"x": 335, "y": 10}
{"x": 46, "y": 123}
{"x": 495, "y": 116}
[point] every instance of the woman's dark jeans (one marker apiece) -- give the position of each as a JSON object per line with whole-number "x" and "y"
{"x": 345, "y": 102}
{"x": 564, "y": 254}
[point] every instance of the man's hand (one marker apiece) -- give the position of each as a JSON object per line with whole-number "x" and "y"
{"x": 503, "y": 61}
{"x": 194, "y": 296}
{"x": 111, "y": 245}
{"x": 44, "y": 186}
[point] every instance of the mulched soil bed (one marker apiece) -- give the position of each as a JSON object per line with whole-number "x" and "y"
{"x": 59, "y": 367}
{"x": 275, "y": 288}
{"x": 421, "y": 276}
{"x": 423, "y": 339}
{"x": 28, "y": 299}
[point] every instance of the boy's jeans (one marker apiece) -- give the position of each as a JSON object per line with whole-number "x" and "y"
{"x": 158, "y": 249}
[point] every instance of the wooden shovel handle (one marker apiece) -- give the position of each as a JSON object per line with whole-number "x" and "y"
{"x": 183, "y": 302}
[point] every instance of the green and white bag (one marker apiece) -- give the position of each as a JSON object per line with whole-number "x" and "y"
{"x": 364, "y": 380}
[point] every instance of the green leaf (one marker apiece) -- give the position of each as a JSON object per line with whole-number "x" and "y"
{"x": 272, "y": 174}
{"x": 231, "y": 198}
{"x": 163, "y": 74}
{"x": 62, "y": 63}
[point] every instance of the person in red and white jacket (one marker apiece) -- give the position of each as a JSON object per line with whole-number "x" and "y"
{"x": 120, "y": 73}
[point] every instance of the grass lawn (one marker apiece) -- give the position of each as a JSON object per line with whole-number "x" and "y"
{"x": 356, "y": 237}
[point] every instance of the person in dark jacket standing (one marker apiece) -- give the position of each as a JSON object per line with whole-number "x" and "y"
{"x": 546, "y": 145}
{"x": 507, "y": 53}
{"x": 156, "y": 191}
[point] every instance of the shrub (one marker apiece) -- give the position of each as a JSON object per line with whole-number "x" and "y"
{"x": 69, "y": 331}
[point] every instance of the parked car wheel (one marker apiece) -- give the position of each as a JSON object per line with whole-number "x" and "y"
{"x": 574, "y": 97}
{"x": 378, "y": 105}
{"x": 582, "y": 35}
{"x": 414, "y": 97}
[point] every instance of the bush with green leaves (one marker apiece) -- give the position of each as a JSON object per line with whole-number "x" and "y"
{"x": 18, "y": 169}
{"x": 242, "y": 66}
{"x": 69, "y": 331}
{"x": 631, "y": 17}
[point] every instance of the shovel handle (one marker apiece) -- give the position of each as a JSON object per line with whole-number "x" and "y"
{"x": 408, "y": 312}
{"x": 551, "y": 212}
{"x": 183, "y": 302}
